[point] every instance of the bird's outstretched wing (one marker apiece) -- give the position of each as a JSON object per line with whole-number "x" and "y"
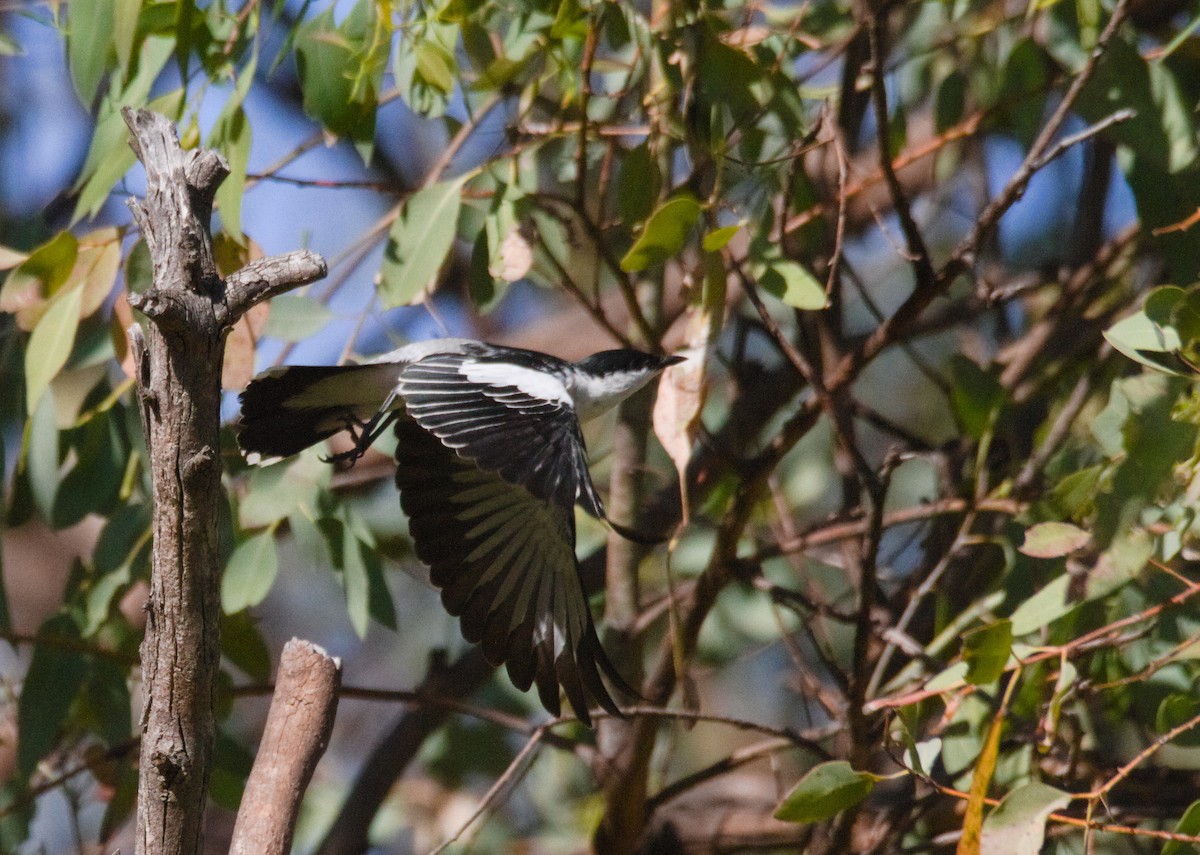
{"x": 504, "y": 560}
{"x": 518, "y": 422}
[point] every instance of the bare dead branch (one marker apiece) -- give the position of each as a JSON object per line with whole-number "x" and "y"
{"x": 294, "y": 738}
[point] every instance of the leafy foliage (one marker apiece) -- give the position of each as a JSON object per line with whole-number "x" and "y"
{"x": 938, "y": 536}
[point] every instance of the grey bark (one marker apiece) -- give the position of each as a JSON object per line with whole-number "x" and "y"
{"x": 178, "y": 356}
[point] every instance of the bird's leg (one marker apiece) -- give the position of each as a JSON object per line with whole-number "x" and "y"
{"x": 365, "y": 433}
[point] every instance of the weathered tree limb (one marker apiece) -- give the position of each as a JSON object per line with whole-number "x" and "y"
{"x": 296, "y": 735}
{"x": 179, "y": 359}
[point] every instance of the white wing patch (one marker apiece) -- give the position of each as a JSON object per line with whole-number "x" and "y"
{"x": 536, "y": 384}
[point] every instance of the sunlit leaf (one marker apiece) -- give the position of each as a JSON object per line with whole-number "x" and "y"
{"x": 1018, "y": 824}
{"x": 231, "y": 137}
{"x": 718, "y": 239}
{"x": 1053, "y": 539}
{"x": 36, "y": 279}
{"x": 294, "y": 317}
{"x": 340, "y": 89}
{"x": 419, "y": 242}
{"x": 1044, "y": 607}
{"x": 50, "y": 344}
{"x": 664, "y": 234}
{"x": 791, "y": 282}
{"x": 89, "y": 45}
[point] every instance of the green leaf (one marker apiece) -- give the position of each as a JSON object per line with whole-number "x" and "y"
{"x": 295, "y": 318}
{"x": 665, "y": 233}
{"x": 794, "y": 285}
{"x": 718, "y": 239}
{"x": 1018, "y": 824}
{"x": 638, "y": 185}
{"x": 824, "y": 792}
{"x": 92, "y": 484}
{"x": 357, "y": 584}
{"x": 1174, "y": 711}
{"x": 231, "y": 764}
{"x": 54, "y": 678}
{"x": 89, "y": 45}
{"x": 109, "y": 156}
{"x": 330, "y": 62}
{"x": 41, "y": 457}
{"x": 435, "y": 65}
{"x": 125, "y": 25}
{"x": 1044, "y": 607}
{"x": 1023, "y": 89}
{"x": 950, "y": 101}
{"x": 977, "y": 396}
{"x": 250, "y": 572}
{"x": 986, "y": 650}
{"x": 106, "y": 707}
{"x": 274, "y": 492}
{"x": 243, "y": 645}
{"x": 1137, "y": 337}
{"x": 51, "y": 343}
{"x": 1189, "y": 823}
{"x": 1053, "y": 540}
{"x": 5, "y": 615}
{"x": 232, "y": 137}
{"x": 419, "y": 242}
{"x": 37, "y": 278}
{"x": 1162, "y": 130}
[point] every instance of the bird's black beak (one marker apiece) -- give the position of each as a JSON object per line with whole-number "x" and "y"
{"x": 675, "y": 359}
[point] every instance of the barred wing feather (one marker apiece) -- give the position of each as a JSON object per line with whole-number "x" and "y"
{"x": 517, "y": 422}
{"x": 504, "y": 560}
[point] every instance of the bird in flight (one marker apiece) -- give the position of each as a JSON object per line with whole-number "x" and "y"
{"x": 490, "y": 463}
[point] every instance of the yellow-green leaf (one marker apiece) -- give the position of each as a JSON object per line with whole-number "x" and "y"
{"x": 794, "y": 285}
{"x": 51, "y": 344}
{"x": 986, "y": 651}
{"x": 665, "y": 233}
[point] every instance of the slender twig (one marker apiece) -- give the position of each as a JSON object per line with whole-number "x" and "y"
{"x": 509, "y": 776}
{"x": 918, "y": 252}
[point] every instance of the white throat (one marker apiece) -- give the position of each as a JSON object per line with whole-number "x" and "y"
{"x": 593, "y": 395}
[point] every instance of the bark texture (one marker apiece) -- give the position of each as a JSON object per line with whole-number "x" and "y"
{"x": 178, "y": 357}
{"x": 296, "y": 735}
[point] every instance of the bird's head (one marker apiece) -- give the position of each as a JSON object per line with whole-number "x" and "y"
{"x": 605, "y": 379}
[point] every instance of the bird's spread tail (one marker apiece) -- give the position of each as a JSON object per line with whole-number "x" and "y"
{"x": 287, "y": 409}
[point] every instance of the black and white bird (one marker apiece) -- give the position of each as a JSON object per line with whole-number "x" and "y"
{"x": 490, "y": 463}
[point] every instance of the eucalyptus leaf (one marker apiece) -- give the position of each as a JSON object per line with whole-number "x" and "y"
{"x": 664, "y": 234}
{"x": 55, "y": 676}
{"x": 250, "y": 572}
{"x": 825, "y": 791}
{"x": 419, "y": 241}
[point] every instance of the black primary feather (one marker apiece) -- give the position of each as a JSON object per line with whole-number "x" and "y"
{"x": 505, "y": 562}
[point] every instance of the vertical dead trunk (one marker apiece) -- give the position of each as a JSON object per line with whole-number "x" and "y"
{"x": 178, "y": 360}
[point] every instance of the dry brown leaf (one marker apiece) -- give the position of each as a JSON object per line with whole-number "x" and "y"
{"x": 514, "y": 258}
{"x": 238, "y": 367}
